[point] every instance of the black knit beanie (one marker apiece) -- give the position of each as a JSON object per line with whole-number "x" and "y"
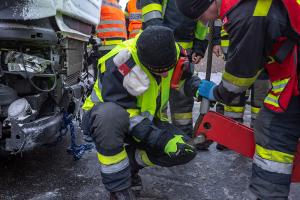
{"x": 156, "y": 49}
{"x": 193, "y": 8}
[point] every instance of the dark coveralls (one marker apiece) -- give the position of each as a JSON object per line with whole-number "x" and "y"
{"x": 251, "y": 38}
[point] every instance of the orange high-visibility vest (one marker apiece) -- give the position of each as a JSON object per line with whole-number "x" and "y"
{"x": 112, "y": 23}
{"x": 135, "y": 18}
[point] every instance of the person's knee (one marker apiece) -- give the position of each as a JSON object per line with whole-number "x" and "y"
{"x": 109, "y": 123}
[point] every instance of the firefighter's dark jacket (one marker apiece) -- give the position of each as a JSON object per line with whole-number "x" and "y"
{"x": 185, "y": 29}
{"x": 251, "y": 39}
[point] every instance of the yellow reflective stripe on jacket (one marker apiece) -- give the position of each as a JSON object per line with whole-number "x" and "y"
{"x": 274, "y": 155}
{"x": 278, "y": 86}
{"x": 262, "y": 8}
{"x": 133, "y": 112}
{"x": 88, "y": 104}
{"x": 152, "y": 7}
{"x": 272, "y": 100}
{"x": 238, "y": 81}
{"x": 186, "y": 45}
{"x": 110, "y": 160}
{"x": 235, "y": 109}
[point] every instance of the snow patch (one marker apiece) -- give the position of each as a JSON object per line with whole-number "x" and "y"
{"x": 48, "y": 195}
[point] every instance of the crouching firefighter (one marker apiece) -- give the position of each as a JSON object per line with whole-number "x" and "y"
{"x": 263, "y": 34}
{"x": 126, "y": 107}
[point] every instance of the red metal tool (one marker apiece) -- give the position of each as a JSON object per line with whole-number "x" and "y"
{"x": 235, "y": 136}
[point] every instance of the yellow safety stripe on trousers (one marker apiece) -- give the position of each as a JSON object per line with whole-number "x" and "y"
{"x": 262, "y": 8}
{"x": 278, "y": 86}
{"x": 186, "y": 45}
{"x": 111, "y": 42}
{"x": 255, "y": 110}
{"x": 224, "y": 33}
{"x": 110, "y": 160}
{"x": 142, "y": 158}
{"x": 225, "y": 43}
{"x": 238, "y": 81}
{"x": 182, "y": 119}
{"x": 235, "y": 109}
{"x": 152, "y": 7}
{"x": 274, "y": 155}
{"x": 114, "y": 168}
{"x": 188, "y": 115}
{"x": 272, "y": 100}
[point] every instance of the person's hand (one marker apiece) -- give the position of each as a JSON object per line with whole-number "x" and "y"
{"x": 206, "y": 89}
{"x": 196, "y": 58}
{"x": 217, "y": 50}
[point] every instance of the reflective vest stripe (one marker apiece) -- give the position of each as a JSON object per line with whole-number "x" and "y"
{"x": 152, "y": 15}
{"x": 111, "y": 22}
{"x": 135, "y": 31}
{"x": 272, "y": 100}
{"x": 105, "y": 30}
{"x": 272, "y": 166}
{"x": 186, "y": 45}
{"x": 110, "y": 169}
{"x": 278, "y": 86}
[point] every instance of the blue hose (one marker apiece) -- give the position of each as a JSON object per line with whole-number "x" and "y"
{"x": 76, "y": 150}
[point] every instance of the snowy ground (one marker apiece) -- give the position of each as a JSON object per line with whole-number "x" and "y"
{"x": 51, "y": 174}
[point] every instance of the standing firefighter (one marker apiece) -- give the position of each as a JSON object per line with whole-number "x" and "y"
{"x": 257, "y": 91}
{"x": 261, "y": 33}
{"x": 126, "y": 107}
{"x": 112, "y": 28}
{"x": 133, "y": 13}
{"x": 189, "y": 34}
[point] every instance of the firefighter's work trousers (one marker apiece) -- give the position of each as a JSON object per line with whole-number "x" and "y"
{"x": 181, "y": 108}
{"x": 259, "y": 91}
{"x": 110, "y": 124}
{"x": 276, "y": 136}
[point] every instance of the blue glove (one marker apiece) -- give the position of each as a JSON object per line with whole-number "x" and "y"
{"x": 206, "y": 89}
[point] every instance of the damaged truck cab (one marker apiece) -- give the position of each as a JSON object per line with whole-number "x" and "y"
{"x": 42, "y": 76}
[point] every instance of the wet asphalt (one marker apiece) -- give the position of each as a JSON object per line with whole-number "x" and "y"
{"x": 51, "y": 174}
